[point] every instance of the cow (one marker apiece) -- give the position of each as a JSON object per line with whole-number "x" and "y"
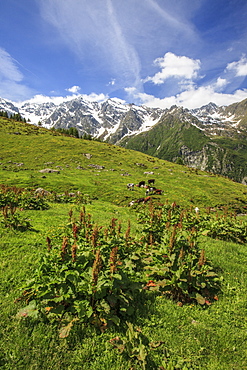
{"x": 140, "y": 200}
{"x": 146, "y": 199}
{"x": 130, "y": 186}
{"x": 158, "y": 191}
{"x": 150, "y": 190}
{"x": 151, "y": 181}
{"x": 141, "y": 184}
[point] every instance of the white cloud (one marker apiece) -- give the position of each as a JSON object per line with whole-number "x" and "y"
{"x": 74, "y": 89}
{"x": 240, "y": 67}
{"x": 220, "y": 83}
{"x": 112, "y": 82}
{"x": 95, "y": 97}
{"x": 39, "y": 98}
{"x": 194, "y": 97}
{"x": 171, "y": 65}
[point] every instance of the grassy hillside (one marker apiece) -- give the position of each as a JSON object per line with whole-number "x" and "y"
{"x": 166, "y": 334}
{"x": 26, "y": 149}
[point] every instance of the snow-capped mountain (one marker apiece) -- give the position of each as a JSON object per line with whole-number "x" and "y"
{"x": 36, "y": 112}
{"x": 113, "y": 119}
{"x": 109, "y": 120}
{"x": 222, "y": 121}
{"x": 8, "y": 106}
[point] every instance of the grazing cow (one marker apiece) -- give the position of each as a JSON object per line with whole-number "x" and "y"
{"x": 158, "y": 191}
{"x": 141, "y": 184}
{"x": 147, "y": 199}
{"x": 151, "y": 181}
{"x": 150, "y": 190}
{"x": 131, "y": 203}
{"x": 130, "y": 186}
{"x": 140, "y": 200}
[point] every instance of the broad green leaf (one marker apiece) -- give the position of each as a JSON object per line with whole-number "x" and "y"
{"x": 200, "y": 299}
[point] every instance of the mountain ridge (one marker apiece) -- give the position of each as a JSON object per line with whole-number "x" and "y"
{"x": 113, "y": 118}
{"x": 211, "y": 138}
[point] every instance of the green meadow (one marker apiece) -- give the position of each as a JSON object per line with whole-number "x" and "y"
{"x": 159, "y": 327}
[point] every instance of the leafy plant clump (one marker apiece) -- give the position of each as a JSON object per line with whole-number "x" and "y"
{"x": 174, "y": 263}
{"x": 21, "y": 198}
{"x": 225, "y": 227}
{"x": 14, "y": 220}
{"x": 84, "y": 277}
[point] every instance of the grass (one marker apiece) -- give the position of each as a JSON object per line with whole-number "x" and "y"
{"x": 191, "y": 336}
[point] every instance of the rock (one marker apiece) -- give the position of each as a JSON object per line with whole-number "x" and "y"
{"x": 244, "y": 181}
{"x": 87, "y": 155}
{"x": 98, "y": 167}
{"x": 80, "y": 168}
{"x": 141, "y": 165}
{"x": 49, "y": 170}
{"x": 42, "y": 191}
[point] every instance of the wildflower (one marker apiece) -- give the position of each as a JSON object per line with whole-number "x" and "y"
{"x": 172, "y": 238}
{"x": 70, "y": 214}
{"x": 75, "y": 230}
{"x": 127, "y": 234}
{"x": 73, "y": 252}
{"x": 48, "y": 243}
{"x": 202, "y": 259}
{"x": 64, "y": 247}
{"x": 96, "y": 267}
{"x": 113, "y": 260}
{"x": 95, "y": 236}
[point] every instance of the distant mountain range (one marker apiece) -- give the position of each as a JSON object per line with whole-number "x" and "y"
{"x": 210, "y": 138}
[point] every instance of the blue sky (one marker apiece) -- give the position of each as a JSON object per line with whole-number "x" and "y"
{"x": 152, "y": 52}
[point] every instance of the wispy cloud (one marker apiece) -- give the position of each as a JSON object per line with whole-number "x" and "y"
{"x": 93, "y": 31}
{"x": 176, "y": 21}
{"x": 11, "y": 79}
{"x": 117, "y": 38}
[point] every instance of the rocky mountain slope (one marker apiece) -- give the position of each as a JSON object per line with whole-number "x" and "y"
{"x": 210, "y": 138}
